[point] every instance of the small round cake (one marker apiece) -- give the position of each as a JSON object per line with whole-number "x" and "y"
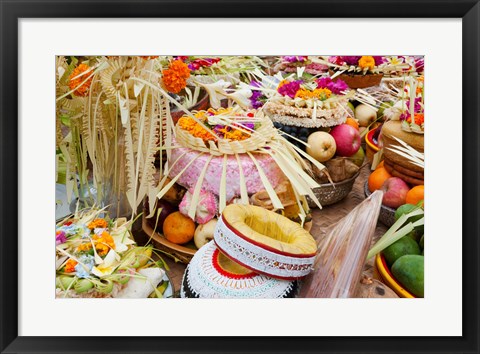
{"x": 211, "y": 274}
{"x": 211, "y": 182}
{"x": 265, "y": 242}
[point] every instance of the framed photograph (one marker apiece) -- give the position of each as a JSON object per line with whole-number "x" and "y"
{"x": 66, "y": 96}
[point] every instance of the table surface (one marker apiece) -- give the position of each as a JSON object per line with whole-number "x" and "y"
{"x": 323, "y": 219}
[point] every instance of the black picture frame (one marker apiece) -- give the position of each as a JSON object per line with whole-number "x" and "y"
{"x": 12, "y": 11}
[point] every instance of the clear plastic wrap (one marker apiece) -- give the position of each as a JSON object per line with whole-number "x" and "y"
{"x": 342, "y": 254}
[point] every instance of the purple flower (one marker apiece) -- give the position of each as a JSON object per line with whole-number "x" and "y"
{"x": 255, "y": 99}
{"x": 219, "y": 130}
{"x": 378, "y": 60}
{"x": 193, "y": 66}
{"x": 295, "y": 58}
{"x": 290, "y": 89}
{"x": 255, "y": 83}
{"x": 60, "y": 238}
{"x": 248, "y": 125}
{"x": 351, "y": 60}
{"x": 323, "y": 82}
{"x": 337, "y": 87}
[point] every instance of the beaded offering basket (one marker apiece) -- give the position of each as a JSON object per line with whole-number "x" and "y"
{"x": 331, "y": 193}
{"x": 213, "y": 275}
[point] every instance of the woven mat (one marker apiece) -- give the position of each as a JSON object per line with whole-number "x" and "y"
{"x": 322, "y": 220}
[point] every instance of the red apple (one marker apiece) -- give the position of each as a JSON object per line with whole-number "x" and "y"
{"x": 394, "y": 192}
{"x": 347, "y": 139}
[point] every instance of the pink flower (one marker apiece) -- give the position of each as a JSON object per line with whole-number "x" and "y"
{"x": 60, "y": 238}
{"x": 379, "y": 60}
{"x": 337, "y": 87}
{"x": 290, "y": 88}
{"x": 323, "y": 82}
{"x": 351, "y": 60}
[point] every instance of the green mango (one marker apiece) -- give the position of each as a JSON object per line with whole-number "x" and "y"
{"x": 406, "y": 245}
{"x": 405, "y": 209}
{"x": 409, "y": 271}
{"x": 421, "y": 242}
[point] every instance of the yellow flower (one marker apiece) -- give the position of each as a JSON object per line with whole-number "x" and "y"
{"x": 319, "y": 93}
{"x": 84, "y": 247}
{"x": 366, "y": 62}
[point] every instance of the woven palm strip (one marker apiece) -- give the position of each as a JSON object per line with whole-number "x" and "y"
{"x": 258, "y": 139}
{"x": 302, "y": 116}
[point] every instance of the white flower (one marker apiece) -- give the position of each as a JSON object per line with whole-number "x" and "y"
{"x": 216, "y": 92}
{"x": 241, "y": 97}
{"x": 394, "y": 60}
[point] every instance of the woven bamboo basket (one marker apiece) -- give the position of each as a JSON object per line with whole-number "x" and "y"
{"x": 331, "y": 193}
{"x": 257, "y": 140}
{"x": 387, "y": 214}
{"x": 355, "y": 81}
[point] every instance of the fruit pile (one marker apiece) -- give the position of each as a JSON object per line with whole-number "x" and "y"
{"x": 338, "y": 148}
{"x": 405, "y": 257}
{"x": 170, "y": 220}
{"x": 396, "y": 191}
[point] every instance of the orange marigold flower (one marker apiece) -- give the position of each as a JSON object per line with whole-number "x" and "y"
{"x": 366, "y": 62}
{"x": 103, "y": 243}
{"x": 175, "y": 77}
{"x": 418, "y": 117}
{"x": 195, "y": 129}
{"x": 76, "y": 80}
{"x": 84, "y": 247}
{"x": 70, "y": 265}
{"x": 320, "y": 93}
{"x": 100, "y": 223}
{"x": 180, "y": 68}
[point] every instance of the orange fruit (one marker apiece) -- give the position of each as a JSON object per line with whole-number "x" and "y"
{"x": 380, "y": 165}
{"x": 352, "y": 122}
{"x": 377, "y": 177}
{"x": 415, "y": 195}
{"x": 178, "y": 228}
